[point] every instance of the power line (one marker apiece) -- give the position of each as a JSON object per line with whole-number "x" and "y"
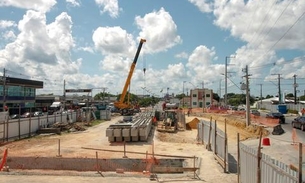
{"x": 275, "y": 22}
{"x": 284, "y": 34}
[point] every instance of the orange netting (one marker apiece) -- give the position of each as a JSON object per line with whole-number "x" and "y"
{"x": 264, "y": 121}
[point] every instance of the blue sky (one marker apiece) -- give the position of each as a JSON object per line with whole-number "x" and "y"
{"x": 91, "y": 44}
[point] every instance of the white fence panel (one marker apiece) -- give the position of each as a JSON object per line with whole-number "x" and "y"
{"x": 272, "y": 171}
{"x": 22, "y": 127}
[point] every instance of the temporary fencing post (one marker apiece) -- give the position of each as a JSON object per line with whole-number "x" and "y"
{"x": 300, "y": 162}
{"x": 97, "y": 165}
{"x": 59, "y": 155}
{"x": 194, "y": 167}
{"x": 238, "y": 159}
{"x": 124, "y": 150}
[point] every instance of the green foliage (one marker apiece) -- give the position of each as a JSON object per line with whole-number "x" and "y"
{"x": 237, "y": 99}
{"x": 302, "y": 97}
{"x": 269, "y": 96}
{"x": 133, "y": 99}
{"x": 292, "y": 111}
{"x": 102, "y": 95}
{"x": 180, "y": 96}
{"x": 289, "y": 95}
{"x": 144, "y": 102}
{"x": 96, "y": 122}
{"x": 216, "y": 97}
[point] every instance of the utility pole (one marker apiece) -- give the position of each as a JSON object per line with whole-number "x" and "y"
{"x": 64, "y": 94}
{"x": 183, "y": 95}
{"x": 279, "y": 83}
{"x": 226, "y": 75}
{"x": 226, "y": 80}
{"x": 247, "y": 96}
{"x": 261, "y": 93}
{"x": 295, "y": 85}
{"x": 279, "y": 87}
{"x": 220, "y": 88}
{"x": 4, "y": 89}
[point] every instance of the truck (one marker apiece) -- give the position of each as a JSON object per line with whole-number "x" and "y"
{"x": 125, "y": 107}
{"x": 167, "y": 106}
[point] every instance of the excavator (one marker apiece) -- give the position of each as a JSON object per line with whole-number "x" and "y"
{"x": 127, "y": 108}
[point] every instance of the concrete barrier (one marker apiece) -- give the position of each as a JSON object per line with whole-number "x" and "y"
{"x": 90, "y": 164}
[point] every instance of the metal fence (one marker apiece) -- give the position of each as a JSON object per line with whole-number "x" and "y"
{"x": 270, "y": 107}
{"x": 23, "y": 127}
{"x": 215, "y": 140}
{"x": 272, "y": 171}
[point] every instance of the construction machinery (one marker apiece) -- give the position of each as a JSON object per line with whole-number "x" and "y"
{"x": 169, "y": 122}
{"x": 125, "y": 107}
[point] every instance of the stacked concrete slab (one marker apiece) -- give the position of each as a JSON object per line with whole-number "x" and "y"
{"x": 137, "y": 129}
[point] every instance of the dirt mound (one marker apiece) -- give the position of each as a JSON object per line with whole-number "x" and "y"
{"x": 192, "y": 124}
{"x": 239, "y": 122}
{"x": 257, "y": 130}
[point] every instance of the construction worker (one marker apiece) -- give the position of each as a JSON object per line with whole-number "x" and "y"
{"x": 303, "y": 111}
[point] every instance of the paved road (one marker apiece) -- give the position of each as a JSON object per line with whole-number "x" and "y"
{"x": 289, "y": 130}
{"x": 282, "y": 147}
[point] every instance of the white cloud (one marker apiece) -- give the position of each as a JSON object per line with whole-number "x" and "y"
{"x": 73, "y": 2}
{"x": 110, "y": 6}
{"x": 159, "y": 29}
{"x": 39, "y": 5}
{"x": 262, "y": 25}
{"x": 9, "y": 35}
{"x": 87, "y": 49}
{"x": 265, "y": 28}
{"x": 40, "y": 49}
{"x": 114, "y": 63}
{"x": 181, "y": 55}
{"x": 203, "y": 5}
{"x": 113, "y": 40}
{"x": 6, "y": 24}
{"x": 201, "y": 67}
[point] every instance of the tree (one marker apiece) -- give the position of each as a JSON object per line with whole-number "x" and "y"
{"x": 290, "y": 95}
{"x": 216, "y": 97}
{"x": 237, "y": 99}
{"x": 102, "y": 95}
{"x": 180, "y": 96}
{"x": 269, "y": 96}
{"x": 302, "y": 97}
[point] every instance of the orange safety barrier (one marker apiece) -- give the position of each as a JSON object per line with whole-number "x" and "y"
{"x": 3, "y": 160}
{"x": 264, "y": 121}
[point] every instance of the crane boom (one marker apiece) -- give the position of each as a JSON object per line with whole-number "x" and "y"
{"x": 120, "y": 104}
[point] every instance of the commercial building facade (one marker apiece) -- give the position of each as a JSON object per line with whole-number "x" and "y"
{"x": 201, "y": 98}
{"x": 18, "y": 94}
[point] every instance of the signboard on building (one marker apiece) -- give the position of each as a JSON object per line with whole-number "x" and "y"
{"x": 78, "y": 90}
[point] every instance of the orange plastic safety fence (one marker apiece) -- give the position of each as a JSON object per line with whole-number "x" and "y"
{"x": 260, "y": 120}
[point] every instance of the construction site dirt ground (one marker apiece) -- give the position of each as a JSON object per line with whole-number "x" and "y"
{"x": 76, "y": 144}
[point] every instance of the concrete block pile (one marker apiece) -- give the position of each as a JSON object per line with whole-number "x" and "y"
{"x": 137, "y": 129}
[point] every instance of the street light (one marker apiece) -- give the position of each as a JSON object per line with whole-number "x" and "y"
{"x": 183, "y": 95}
{"x": 193, "y": 85}
{"x": 226, "y": 76}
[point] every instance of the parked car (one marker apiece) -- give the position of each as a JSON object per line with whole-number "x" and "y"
{"x": 27, "y": 115}
{"x": 14, "y": 116}
{"x": 276, "y": 115}
{"x": 38, "y": 113}
{"x": 299, "y": 122}
{"x": 255, "y": 112}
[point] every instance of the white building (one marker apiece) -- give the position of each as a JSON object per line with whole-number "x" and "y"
{"x": 201, "y": 98}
